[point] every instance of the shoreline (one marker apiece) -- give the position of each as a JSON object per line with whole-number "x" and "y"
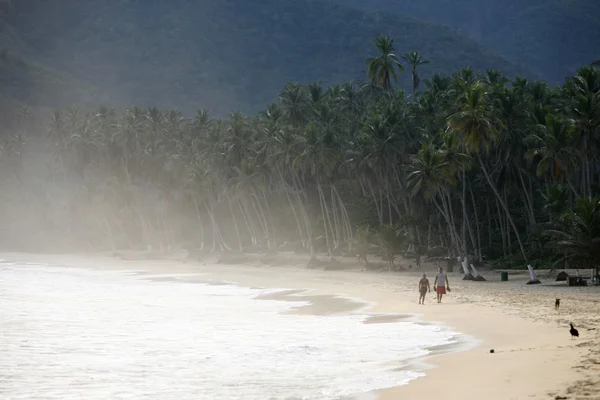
{"x": 336, "y": 304}
{"x": 460, "y": 342}
{"x": 534, "y": 356}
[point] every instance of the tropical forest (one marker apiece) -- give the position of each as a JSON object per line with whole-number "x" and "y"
{"x": 470, "y": 164}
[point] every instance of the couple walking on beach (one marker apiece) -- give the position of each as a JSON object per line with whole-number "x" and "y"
{"x": 440, "y": 284}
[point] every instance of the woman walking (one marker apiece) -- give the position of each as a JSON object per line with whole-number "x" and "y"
{"x": 423, "y": 288}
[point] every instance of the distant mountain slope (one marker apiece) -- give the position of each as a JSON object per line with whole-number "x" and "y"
{"x": 28, "y": 83}
{"x": 24, "y": 83}
{"x": 225, "y": 55}
{"x": 552, "y": 37}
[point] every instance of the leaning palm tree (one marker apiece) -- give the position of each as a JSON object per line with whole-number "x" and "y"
{"x": 478, "y": 125}
{"x": 431, "y": 175}
{"x": 382, "y": 69}
{"x": 415, "y": 59}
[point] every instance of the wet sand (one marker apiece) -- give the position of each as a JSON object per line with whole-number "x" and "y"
{"x": 534, "y": 357}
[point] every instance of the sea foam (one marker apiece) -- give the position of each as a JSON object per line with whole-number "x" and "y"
{"x": 69, "y": 333}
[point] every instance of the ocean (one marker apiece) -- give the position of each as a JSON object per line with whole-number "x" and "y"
{"x": 70, "y": 333}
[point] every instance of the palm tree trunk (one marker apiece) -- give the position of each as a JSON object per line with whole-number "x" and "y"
{"x": 442, "y": 236}
{"x": 248, "y": 222}
{"x": 464, "y": 212}
{"x": 462, "y": 246}
{"x": 261, "y": 221}
{"x": 109, "y": 230}
{"x": 235, "y": 224}
{"x": 199, "y": 222}
{"x": 479, "y": 255}
{"x": 345, "y": 218}
{"x": 325, "y": 218}
{"x": 489, "y": 218}
{"x": 475, "y": 248}
{"x": 270, "y": 216}
{"x": 428, "y": 244}
{"x": 504, "y": 206}
{"x": 379, "y": 210}
{"x": 528, "y": 200}
{"x": 293, "y": 208}
{"x": 306, "y": 221}
{"x": 501, "y": 227}
{"x": 217, "y": 236}
{"x": 265, "y": 222}
{"x": 451, "y": 231}
{"x": 334, "y": 212}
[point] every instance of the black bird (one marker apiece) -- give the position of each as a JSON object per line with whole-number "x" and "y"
{"x": 574, "y": 332}
{"x": 557, "y": 304}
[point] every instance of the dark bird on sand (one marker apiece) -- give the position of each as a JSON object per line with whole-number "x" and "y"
{"x": 574, "y": 332}
{"x": 557, "y": 304}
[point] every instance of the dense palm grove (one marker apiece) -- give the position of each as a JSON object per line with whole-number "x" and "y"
{"x": 464, "y": 165}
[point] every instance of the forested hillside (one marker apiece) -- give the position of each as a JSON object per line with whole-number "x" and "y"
{"x": 223, "y": 55}
{"x": 471, "y": 165}
{"x": 551, "y": 37}
{"x": 27, "y": 84}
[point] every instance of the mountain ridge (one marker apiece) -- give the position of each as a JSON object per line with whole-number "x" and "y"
{"x": 551, "y": 37}
{"x": 226, "y": 56}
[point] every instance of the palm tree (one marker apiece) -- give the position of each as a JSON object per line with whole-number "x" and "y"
{"x": 578, "y": 232}
{"x": 584, "y": 107}
{"x": 415, "y": 59}
{"x": 431, "y": 174}
{"x": 322, "y": 162}
{"x": 294, "y": 103}
{"x": 478, "y": 125}
{"x": 552, "y": 149}
{"x": 382, "y": 68}
{"x": 556, "y": 201}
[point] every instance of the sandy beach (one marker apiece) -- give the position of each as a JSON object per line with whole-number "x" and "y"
{"x": 534, "y": 358}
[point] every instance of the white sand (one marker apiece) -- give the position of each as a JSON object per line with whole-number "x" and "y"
{"x": 535, "y": 358}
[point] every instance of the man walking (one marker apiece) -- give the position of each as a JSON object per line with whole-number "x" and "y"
{"x": 440, "y": 284}
{"x": 424, "y": 287}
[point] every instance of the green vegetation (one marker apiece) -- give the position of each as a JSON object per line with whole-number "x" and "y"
{"x": 222, "y": 55}
{"x": 473, "y": 164}
{"x": 551, "y": 37}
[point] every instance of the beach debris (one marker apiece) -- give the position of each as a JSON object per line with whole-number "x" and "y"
{"x": 562, "y": 276}
{"x": 468, "y": 275}
{"x": 492, "y": 351}
{"x": 478, "y": 276}
{"x": 533, "y": 280}
{"x": 560, "y": 398}
{"x": 574, "y": 332}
